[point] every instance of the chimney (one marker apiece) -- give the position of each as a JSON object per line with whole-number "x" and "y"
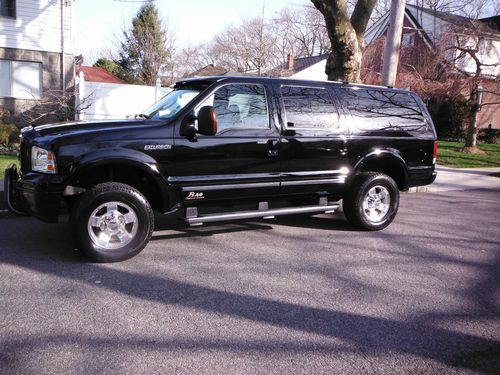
{"x": 289, "y": 62}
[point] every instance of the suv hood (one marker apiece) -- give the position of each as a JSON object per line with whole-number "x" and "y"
{"x": 79, "y": 126}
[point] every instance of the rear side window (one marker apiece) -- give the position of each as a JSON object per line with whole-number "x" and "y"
{"x": 309, "y": 107}
{"x": 382, "y": 110}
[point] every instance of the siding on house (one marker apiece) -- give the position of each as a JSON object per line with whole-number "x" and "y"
{"x": 34, "y": 38}
{"x": 37, "y": 26}
{"x": 489, "y": 56}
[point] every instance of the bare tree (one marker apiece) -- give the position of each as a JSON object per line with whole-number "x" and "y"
{"x": 53, "y": 106}
{"x": 346, "y": 36}
{"x": 245, "y": 47}
{"x": 463, "y": 66}
{"x": 190, "y": 59}
{"x": 259, "y": 44}
{"x": 468, "y": 50}
{"x": 470, "y": 8}
{"x": 300, "y": 32}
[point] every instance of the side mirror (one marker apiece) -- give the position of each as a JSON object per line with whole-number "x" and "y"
{"x": 207, "y": 121}
{"x": 188, "y": 129}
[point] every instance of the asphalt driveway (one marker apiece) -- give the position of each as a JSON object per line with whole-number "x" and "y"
{"x": 293, "y": 295}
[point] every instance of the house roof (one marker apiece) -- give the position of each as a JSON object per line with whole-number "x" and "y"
{"x": 493, "y": 22}
{"x": 429, "y": 23}
{"x": 97, "y": 74}
{"x": 299, "y": 64}
{"x": 208, "y": 70}
{"x": 212, "y": 70}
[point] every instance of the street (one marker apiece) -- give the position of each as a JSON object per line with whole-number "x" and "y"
{"x": 301, "y": 294}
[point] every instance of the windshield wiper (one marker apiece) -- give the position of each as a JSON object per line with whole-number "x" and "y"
{"x": 142, "y": 115}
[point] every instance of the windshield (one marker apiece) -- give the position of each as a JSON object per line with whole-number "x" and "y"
{"x": 171, "y": 104}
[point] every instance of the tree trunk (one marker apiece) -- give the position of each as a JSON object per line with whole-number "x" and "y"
{"x": 346, "y": 36}
{"x": 471, "y": 139}
{"x": 344, "y": 62}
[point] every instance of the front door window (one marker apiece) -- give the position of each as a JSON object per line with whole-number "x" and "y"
{"x": 239, "y": 106}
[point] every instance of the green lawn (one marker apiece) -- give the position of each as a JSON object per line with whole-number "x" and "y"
{"x": 5, "y": 160}
{"x": 449, "y": 155}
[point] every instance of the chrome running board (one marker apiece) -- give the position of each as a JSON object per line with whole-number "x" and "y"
{"x": 193, "y": 219}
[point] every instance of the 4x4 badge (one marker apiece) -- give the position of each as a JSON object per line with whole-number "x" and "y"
{"x": 193, "y": 195}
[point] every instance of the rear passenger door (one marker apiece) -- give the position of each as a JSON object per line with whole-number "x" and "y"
{"x": 313, "y": 143}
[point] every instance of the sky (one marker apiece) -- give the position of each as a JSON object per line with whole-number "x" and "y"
{"x": 98, "y": 23}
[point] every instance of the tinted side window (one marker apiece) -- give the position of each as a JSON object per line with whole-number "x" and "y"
{"x": 239, "y": 106}
{"x": 382, "y": 110}
{"x": 309, "y": 107}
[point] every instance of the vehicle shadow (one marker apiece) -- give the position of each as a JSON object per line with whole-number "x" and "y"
{"x": 45, "y": 251}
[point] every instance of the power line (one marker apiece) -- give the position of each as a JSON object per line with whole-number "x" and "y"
{"x": 132, "y": 1}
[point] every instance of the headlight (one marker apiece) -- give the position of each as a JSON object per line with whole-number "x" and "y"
{"x": 43, "y": 160}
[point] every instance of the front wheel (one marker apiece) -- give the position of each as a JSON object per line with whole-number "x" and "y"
{"x": 372, "y": 201}
{"x": 112, "y": 222}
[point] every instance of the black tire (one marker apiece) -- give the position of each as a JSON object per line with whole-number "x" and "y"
{"x": 365, "y": 212}
{"x": 126, "y": 234}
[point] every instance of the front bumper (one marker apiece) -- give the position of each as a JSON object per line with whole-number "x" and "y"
{"x": 33, "y": 194}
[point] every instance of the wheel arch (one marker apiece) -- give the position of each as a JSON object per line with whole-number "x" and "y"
{"x": 389, "y": 162}
{"x": 140, "y": 173}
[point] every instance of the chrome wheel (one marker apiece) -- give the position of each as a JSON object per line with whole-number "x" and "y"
{"x": 376, "y": 203}
{"x": 112, "y": 225}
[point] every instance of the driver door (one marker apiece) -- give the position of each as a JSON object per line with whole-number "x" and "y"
{"x": 241, "y": 160}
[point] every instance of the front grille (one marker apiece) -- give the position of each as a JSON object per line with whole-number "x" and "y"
{"x": 24, "y": 157}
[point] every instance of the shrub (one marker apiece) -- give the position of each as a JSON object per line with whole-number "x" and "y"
{"x": 450, "y": 116}
{"x": 9, "y": 138}
{"x": 489, "y": 136}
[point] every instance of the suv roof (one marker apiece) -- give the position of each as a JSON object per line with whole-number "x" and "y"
{"x": 210, "y": 80}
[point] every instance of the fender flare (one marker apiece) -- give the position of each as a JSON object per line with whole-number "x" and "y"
{"x": 123, "y": 157}
{"x": 380, "y": 154}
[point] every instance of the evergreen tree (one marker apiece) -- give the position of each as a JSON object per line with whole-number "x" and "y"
{"x": 112, "y": 67}
{"x": 144, "y": 53}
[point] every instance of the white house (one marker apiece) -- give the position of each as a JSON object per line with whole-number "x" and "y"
{"x": 309, "y": 67}
{"x": 433, "y": 27}
{"x": 36, "y": 50}
{"x": 419, "y": 23}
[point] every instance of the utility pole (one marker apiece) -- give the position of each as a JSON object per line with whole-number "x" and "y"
{"x": 393, "y": 42}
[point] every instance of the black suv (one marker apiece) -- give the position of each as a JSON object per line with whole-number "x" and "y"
{"x": 227, "y": 148}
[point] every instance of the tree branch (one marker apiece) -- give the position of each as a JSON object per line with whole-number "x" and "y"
{"x": 361, "y": 15}
{"x": 489, "y": 103}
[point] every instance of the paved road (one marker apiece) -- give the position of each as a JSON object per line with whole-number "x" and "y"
{"x": 295, "y": 295}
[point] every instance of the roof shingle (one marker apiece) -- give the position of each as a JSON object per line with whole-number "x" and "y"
{"x": 97, "y": 74}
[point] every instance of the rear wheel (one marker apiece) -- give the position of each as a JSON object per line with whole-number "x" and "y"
{"x": 112, "y": 222}
{"x": 372, "y": 201}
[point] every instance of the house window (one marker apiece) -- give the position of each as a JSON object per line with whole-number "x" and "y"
{"x": 8, "y": 8}
{"x": 408, "y": 40}
{"x": 20, "y": 79}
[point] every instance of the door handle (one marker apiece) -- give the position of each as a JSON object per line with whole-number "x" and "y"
{"x": 343, "y": 147}
{"x": 271, "y": 147}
